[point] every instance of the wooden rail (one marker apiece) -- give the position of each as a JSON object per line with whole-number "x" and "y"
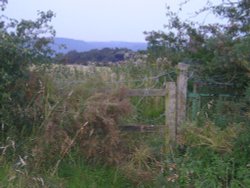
{"x": 142, "y": 128}
{"x": 147, "y": 92}
{"x": 139, "y": 92}
{"x": 175, "y": 95}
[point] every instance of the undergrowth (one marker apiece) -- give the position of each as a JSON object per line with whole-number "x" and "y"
{"x": 72, "y": 139}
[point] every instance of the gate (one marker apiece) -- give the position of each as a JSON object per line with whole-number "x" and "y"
{"x": 175, "y": 94}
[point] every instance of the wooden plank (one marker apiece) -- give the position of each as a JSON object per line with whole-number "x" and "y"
{"x": 138, "y": 92}
{"x": 141, "y": 128}
{"x": 146, "y": 92}
{"x": 170, "y": 110}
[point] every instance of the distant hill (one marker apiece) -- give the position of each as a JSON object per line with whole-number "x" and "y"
{"x": 82, "y": 46}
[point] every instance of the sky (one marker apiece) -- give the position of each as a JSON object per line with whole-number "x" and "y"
{"x": 102, "y": 20}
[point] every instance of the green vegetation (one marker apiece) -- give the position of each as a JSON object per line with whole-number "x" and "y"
{"x": 58, "y": 130}
{"x": 216, "y": 52}
{"x": 79, "y": 174}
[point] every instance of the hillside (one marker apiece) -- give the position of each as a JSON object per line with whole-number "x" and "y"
{"x": 82, "y": 46}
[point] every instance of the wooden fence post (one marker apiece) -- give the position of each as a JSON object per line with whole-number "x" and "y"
{"x": 182, "y": 93}
{"x": 170, "y": 110}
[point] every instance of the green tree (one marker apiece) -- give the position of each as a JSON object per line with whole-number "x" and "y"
{"x": 218, "y": 52}
{"x": 22, "y": 44}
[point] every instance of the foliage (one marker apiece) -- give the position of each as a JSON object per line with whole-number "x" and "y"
{"x": 222, "y": 110}
{"x": 211, "y": 156}
{"x": 79, "y": 174}
{"x": 206, "y": 157}
{"x": 65, "y": 126}
{"x": 211, "y": 137}
{"x": 73, "y": 172}
{"x": 21, "y": 44}
{"x": 142, "y": 166}
{"x": 102, "y": 138}
{"x": 62, "y": 135}
{"x": 217, "y": 52}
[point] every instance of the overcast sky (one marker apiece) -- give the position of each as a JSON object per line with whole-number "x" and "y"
{"x": 102, "y": 20}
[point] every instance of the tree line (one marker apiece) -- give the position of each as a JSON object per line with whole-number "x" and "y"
{"x": 98, "y": 56}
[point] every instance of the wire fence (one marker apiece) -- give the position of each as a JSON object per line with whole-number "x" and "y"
{"x": 146, "y": 110}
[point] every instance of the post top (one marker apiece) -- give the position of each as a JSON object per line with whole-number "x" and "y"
{"x": 182, "y": 66}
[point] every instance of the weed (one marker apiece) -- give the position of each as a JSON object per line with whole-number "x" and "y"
{"x": 142, "y": 166}
{"x": 78, "y": 173}
{"x": 210, "y": 136}
{"x": 102, "y": 138}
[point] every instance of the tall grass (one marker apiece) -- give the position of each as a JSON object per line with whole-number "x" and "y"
{"x": 74, "y": 139}
{"x": 78, "y": 173}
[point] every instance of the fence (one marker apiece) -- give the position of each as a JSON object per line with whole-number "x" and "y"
{"x": 176, "y": 101}
{"x": 201, "y": 98}
{"x": 175, "y": 94}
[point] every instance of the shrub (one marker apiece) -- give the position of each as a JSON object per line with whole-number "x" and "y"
{"x": 210, "y": 136}
{"x": 208, "y": 156}
{"x": 21, "y": 43}
{"x": 101, "y": 139}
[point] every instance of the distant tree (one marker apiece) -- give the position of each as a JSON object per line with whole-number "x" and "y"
{"x": 102, "y": 56}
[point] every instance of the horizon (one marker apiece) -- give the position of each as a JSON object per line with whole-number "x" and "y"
{"x": 104, "y": 21}
{"x": 143, "y": 42}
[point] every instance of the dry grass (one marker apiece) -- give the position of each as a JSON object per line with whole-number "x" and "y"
{"x": 101, "y": 139}
{"x": 141, "y": 167}
{"x": 105, "y": 73}
{"x": 210, "y": 136}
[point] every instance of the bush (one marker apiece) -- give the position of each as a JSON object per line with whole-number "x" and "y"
{"x": 21, "y": 43}
{"x": 209, "y": 156}
{"x": 101, "y": 138}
